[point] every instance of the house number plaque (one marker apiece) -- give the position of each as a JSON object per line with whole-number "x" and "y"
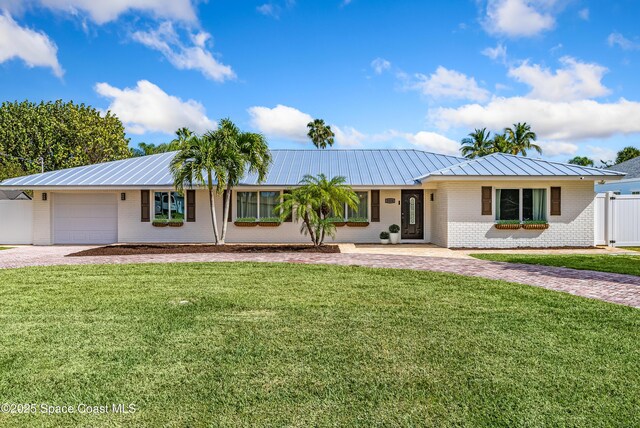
{"x": 390, "y": 201}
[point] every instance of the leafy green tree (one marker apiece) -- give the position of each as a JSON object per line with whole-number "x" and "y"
{"x": 520, "y": 138}
{"x": 314, "y": 200}
{"x": 500, "y": 144}
{"x": 582, "y": 161}
{"x": 477, "y": 144}
{"x": 626, "y": 154}
{"x": 320, "y": 134}
{"x": 217, "y": 161}
{"x": 63, "y": 134}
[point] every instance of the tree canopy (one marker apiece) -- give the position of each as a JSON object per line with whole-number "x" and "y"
{"x": 320, "y": 134}
{"x": 515, "y": 140}
{"x": 62, "y": 134}
{"x": 627, "y": 153}
{"x": 582, "y": 161}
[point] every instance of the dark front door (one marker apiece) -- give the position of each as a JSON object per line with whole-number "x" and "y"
{"x": 412, "y": 214}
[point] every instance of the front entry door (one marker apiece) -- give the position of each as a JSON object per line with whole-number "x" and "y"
{"x": 412, "y": 214}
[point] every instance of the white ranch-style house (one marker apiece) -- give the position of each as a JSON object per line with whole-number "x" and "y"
{"x": 497, "y": 201}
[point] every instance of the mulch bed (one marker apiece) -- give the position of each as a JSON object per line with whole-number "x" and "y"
{"x": 131, "y": 250}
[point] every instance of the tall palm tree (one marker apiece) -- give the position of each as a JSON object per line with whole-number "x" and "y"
{"x": 500, "y": 144}
{"x": 183, "y": 136}
{"x": 520, "y": 138}
{"x": 477, "y": 144}
{"x": 320, "y": 134}
{"x": 314, "y": 200}
{"x": 248, "y": 153}
{"x": 201, "y": 162}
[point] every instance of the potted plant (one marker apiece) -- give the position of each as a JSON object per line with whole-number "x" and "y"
{"x": 245, "y": 222}
{"x": 175, "y": 222}
{"x": 357, "y": 222}
{"x": 535, "y": 225}
{"x": 394, "y": 233}
{"x": 384, "y": 237}
{"x": 270, "y": 222}
{"x": 337, "y": 221}
{"x": 508, "y": 224}
{"x": 160, "y": 223}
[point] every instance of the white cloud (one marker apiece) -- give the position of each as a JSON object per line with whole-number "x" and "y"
{"x": 380, "y": 65}
{"x": 32, "y": 47}
{"x": 519, "y": 18}
{"x": 558, "y": 148}
{"x": 147, "y": 108}
{"x": 434, "y": 142}
{"x": 103, "y": 11}
{"x": 291, "y": 124}
{"x": 446, "y": 83}
{"x": 195, "y": 57}
{"x": 348, "y": 136}
{"x": 281, "y": 122}
{"x": 574, "y": 81}
{"x": 598, "y": 153}
{"x": 562, "y": 121}
{"x": 499, "y": 53}
{"x": 584, "y": 14}
{"x": 269, "y": 9}
{"x": 617, "y": 39}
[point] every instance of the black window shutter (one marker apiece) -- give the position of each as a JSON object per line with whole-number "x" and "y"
{"x": 224, "y": 204}
{"x": 486, "y": 201}
{"x": 289, "y": 218}
{"x": 191, "y": 206}
{"x": 556, "y": 201}
{"x": 375, "y": 206}
{"x": 145, "y": 207}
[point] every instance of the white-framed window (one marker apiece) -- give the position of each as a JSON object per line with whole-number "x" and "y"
{"x": 257, "y": 204}
{"x": 362, "y": 210}
{"x": 169, "y": 206}
{"x": 521, "y": 204}
{"x": 635, "y": 192}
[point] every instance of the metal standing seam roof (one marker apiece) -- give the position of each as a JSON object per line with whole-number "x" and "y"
{"x": 360, "y": 167}
{"x": 505, "y": 165}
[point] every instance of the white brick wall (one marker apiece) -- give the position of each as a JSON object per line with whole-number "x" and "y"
{"x": 467, "y": 228}
{"x": 131, "y": 229}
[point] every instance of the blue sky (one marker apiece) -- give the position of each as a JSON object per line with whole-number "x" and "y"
{"x": 384, "y": 74}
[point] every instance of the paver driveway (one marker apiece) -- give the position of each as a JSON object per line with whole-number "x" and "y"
{"x": 610, "y": 287}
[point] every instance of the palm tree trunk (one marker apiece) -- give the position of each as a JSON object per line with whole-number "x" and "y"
{"x": 225, "y": 214}
{"x": 212, "y": 205}
{"x": 310, "y": 229}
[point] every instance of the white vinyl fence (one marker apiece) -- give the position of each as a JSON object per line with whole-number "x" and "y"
{"x": 16, "y": 222}
{"x": 617, "y": 220}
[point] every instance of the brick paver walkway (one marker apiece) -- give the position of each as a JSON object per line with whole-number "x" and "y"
{"x": 615, "y": 288}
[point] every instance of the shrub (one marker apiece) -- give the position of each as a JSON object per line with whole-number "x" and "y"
{"x": 535, "y": 222}
{"x": 358, "y": 220}
{"x": 246, "y": 219}
{"x": 336, "y": 219}
{"x": 394, "y": 228}
{"x": 508, "y": 222}
{"x": 271, "y": 220}
{"x": 384, "y": 235}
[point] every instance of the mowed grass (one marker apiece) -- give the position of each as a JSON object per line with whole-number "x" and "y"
{"x": 4, "y": 248}
{"x": 629, "y": 265}
{"x": 632, "y": 248}
{"x": 280, "y": 345}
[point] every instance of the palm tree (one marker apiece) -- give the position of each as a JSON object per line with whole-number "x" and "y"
{"x": 520, "y": 138}
{"x": 500, "y": 144}
{"x": 477, "y": 144}
{"x": 582, "y": 161}
{"x": 247, "y": 153}
{"x": 320, "y": 134}
{"x": 314, "y": 200}
{"x": 183, "y": 136}
{"x": 200, "y": 162}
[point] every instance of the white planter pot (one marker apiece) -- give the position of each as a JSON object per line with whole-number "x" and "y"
{"x": 384, "y": 241}
{"x": 395, "y": 238}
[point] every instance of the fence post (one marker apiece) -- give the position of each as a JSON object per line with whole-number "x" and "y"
{"x": 608, "y": 215}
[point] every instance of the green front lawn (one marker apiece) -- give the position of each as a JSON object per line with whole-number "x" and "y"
{"x": 4, "y": 248}
{"x": 629, "y": 265}
{"x": 277, "y": 344}
{"x": 631, "y": 248}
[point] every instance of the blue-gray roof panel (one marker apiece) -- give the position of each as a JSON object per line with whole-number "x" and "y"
{"x": 360, "y": 167}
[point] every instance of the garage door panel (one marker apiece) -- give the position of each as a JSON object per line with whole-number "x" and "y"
{"x": 85, "y": 218}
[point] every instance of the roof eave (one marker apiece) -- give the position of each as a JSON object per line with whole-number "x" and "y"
{"x": 431, "y": 178}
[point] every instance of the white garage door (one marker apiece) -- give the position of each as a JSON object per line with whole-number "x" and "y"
{"x": 87, "y": 218}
